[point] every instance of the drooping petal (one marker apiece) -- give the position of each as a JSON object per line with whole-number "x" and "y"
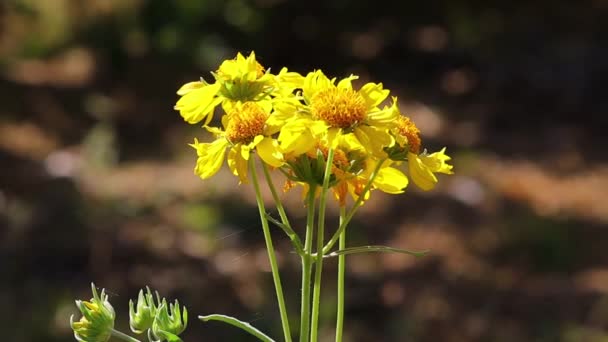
{"x": 237, "y": 164}
{"x": 421, "y": 174}
{"x": 391, "y": 180}
{"x": 198, "y": 103}
{"x": 350, "y": 142}
{"x": 374, "y": 139}
{"x": 210, "y": 157}
{"x": 268, "y": 150}
{"x": 295, "y": 137}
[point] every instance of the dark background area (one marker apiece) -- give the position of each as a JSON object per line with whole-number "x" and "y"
{"x": 96, "y": 180}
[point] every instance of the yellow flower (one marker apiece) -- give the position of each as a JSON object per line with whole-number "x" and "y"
{"x": 245, "y": 130}
{"x": 338, "y": 110}
{"x": 423, "y": 168}
{"x": 237, "y": 80}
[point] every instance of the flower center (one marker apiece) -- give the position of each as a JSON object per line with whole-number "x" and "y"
{"x": 407, "y": 129}
{"x": 343, "y": 108}
{"x": 245, "y": 123}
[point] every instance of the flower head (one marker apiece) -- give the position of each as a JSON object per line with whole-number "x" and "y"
{"x": 236, "y": 81}
{"x": 245, "y": 130}
{"x": 97, "y": 321}
{"x": 339, "y": 109}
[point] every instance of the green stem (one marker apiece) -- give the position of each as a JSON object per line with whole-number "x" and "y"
{"x": 316, "y": 297}
{"x": 124, "y": 336}
{"x": 295, "y": 239}
{"x": 271, "y": 254}
{"x": 307, "y": 266}
{"x": 353, "y": 210}
{"x": 341, "y": 272}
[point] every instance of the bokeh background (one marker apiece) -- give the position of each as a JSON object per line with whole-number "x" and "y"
{"x": 96, "y": 180}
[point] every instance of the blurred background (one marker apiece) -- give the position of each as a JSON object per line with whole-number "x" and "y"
{"x": 96, "y": 180}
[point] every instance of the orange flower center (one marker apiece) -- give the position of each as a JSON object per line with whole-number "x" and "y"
{"x": 342, "y": 108}
{"x": 245, "y": 123}
{"x": 407, "y": 129}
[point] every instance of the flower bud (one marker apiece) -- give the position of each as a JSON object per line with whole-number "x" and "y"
{"x": 142, "y": 319}
{"x": 169, "y": 321}
{"x": 97, "y": 321}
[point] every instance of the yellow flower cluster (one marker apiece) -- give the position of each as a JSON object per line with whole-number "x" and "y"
{"x": 292, "y": 122}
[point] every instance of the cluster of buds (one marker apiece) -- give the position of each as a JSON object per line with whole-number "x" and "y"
{"x": 292, "y": 121}
{"x": 161, "y": 320}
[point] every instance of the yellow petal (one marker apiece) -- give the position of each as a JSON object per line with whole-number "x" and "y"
{"x": 350, "y": 142}
{"x": 384, "y": 117}
{"x": 420, "y": 173}
{"x": 237, "y": 164}
{"x": 390, "y": 180}
{"x": 437, "y": 162}
{"x": 290, "y": 79}
{"x": 315, "y": 82}
{"x": 245, "y": 150}
{"x": 347, "y": 82}
{"x": 190, "y": 86}
{"x": 197, "y": 104}
{"x": 373, "y": 94}
{"x": 268, "y": 150}
{"x": 295, "y": 137}
{"x": 210, "y": 157}
{"x": 374, "y": 139}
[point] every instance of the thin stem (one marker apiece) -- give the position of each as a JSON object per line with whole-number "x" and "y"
{"x": 316, "y": 297}
{"x": 124, "y": 336}
{"x": 341, "y": 272}
{"x": 307, "y": 266}
{"x": 353, "y": 210}
{"x": 295, "y": 239}
{"x": 271, "y": 254}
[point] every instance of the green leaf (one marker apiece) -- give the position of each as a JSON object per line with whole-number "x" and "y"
{"x": 239, "y": 324}
{"x": 381, "y": 249}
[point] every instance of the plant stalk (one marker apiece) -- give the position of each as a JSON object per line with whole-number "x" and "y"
{"x": 307, "y": 266}
{"x": 316, "y": 297}
{"x": 341, "y": 273}
{"x": 271, "y": 253}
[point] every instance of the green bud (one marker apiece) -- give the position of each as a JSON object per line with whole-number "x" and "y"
{"x": 142, "y": 319}
{"x": 97, "y": 321}
{"x": 169, "y": 321}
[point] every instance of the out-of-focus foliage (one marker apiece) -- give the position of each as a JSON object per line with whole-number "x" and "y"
{"x": 96, "y": 182}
